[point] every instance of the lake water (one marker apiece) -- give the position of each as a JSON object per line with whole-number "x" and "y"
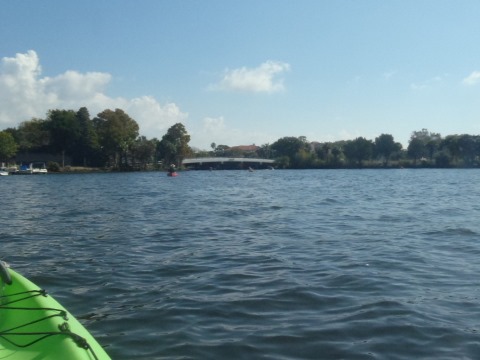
{"x": 321, "y": 264}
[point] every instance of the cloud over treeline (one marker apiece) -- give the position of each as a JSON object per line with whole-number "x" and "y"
{"x": 25, "y": 94}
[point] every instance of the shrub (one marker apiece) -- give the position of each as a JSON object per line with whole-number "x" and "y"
{"x": 53, "y": 166}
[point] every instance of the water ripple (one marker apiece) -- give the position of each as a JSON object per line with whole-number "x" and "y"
{"x": 338, "y": 264}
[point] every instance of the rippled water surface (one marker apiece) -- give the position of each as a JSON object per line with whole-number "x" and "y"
{"x": 341, "y": 264}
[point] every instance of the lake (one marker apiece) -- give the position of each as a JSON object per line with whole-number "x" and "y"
{"x": 284, "y": 264}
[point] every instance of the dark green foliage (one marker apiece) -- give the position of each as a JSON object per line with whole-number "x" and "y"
{"x": 8, "y": 146}
{"x": 111, "y": 140}
{"x": 358, "y": 150}
{"x": 87, "y": 146}
{"x": 64, "y": 131}
{"x": 385, "y": 146}
{"x": 53, "y": 166}
{"x": 116, "y": 133}
{"x": 33, "y": 135}
{"x": 295, "y": 149}
{"x": 143, "y": 151}
{"x": 173, "y": 147}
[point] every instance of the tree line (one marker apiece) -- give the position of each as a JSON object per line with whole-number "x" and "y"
{"x": 111, "y": 139}
{"x": 425, "y": 149}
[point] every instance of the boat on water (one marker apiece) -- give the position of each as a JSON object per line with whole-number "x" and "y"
{"x": 172, "y": 170}
{"x": 37, "y": 168}
{"x": 3, "y": 172}
{"x": 33, "y": 325}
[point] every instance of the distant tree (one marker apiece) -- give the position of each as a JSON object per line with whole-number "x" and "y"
{"x": 221, "y": 150}
{"x": 283, "y": 162}
{"x": 32, "y": 135}
{"x": 326, "y": 149}
{"x": 468, "y": 146}
{"x": 442, "y": 159}
{"x": 143, "y": 151}
{"x": 117, "y": 132}
{"x": 416, "y": 149}
{"x": 8, "y": 146}
{"x": 452, "y": 144}
{"x": 289, "y": 146}
{"x": 64, "y": 131}
{"x": 174, "y": 144}
{"x": 336, "y": 153}
{"x": 265, "y": 151}
{"x": 304, "y": 159}
{"x": 423, "y": 144}
{"x": 385, "y": 146}
{"x": 358, "y": 150}
{"x": 87, "y": 145}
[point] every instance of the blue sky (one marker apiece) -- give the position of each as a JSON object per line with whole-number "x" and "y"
{"x": 250, "y": 71}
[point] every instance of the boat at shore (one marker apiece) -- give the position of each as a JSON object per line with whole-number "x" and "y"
{"x": 37, "y": 168}
{"x": 33, "y": 325}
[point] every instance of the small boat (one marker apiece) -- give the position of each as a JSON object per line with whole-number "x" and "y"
{"x": 172, "y": 173}
{"x": 33, "y": 325}
{"x": 3, "y": 172}
{"x": 32, "y": 169}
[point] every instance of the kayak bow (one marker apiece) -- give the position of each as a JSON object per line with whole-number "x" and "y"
{"x": 33, "y": 325}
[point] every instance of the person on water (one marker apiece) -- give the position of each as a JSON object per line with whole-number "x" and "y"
{"x": 171, "y": 169}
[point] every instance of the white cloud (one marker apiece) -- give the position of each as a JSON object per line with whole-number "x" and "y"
{"x": 430, "y": 83}
{"x": 155, "y": 119}
{"x": 472, "y": 79}
{"x": 263, "y": 78}
{"x": 25, "y": 94}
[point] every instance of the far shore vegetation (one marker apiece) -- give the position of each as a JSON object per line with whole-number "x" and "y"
{"x": 69, "y": 140}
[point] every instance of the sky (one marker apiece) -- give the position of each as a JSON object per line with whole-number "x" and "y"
{"x": 241, "y": 72}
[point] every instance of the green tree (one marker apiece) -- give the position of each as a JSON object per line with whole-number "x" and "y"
{"x": 452, "y": 144}
{"x": 87, "y": 145}
{"x": 221, "y": 150}
{"x": 416, "y": 149}
{"x": 289, "y": 146}
{"x": 358, "y": 150}
{"x": 265, "y": 151}
{"x": 423, "y": 144}
{"x": 304, "y": 159}
{"x": 385, "y": 146}
{"x": 143, "y": 151}
{"x": 32, "y": 135}
{"x": 8, "y": 146}
{"x": 174, "y": 144}
{"x": 64, "y": 131}
{"x": 336, "y": 152}
{"x": 468, "y": 146}
{"x": 117, "y": 132}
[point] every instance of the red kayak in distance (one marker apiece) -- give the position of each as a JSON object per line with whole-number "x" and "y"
{"x": 172, "y": 174}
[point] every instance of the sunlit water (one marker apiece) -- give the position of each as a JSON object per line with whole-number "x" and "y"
{"x": 341, "y": 264}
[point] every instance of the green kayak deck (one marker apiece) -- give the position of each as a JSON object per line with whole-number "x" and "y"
{"x": 33, "y": 325}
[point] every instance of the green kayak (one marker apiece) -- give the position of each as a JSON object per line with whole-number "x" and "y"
{"x": 33, "y": 325}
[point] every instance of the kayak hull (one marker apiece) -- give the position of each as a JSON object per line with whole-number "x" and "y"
{"x": 33, "y": 325}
